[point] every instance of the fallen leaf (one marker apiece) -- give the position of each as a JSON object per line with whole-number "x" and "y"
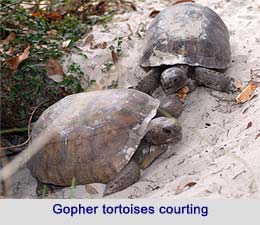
{"x": 182, "y": 93}
{"x": 14, "y": 62}
{"x": 257, "y": 136}
{"x": 154, "y": 13}
{"x": 133, "y": 6}
{"x": 254, "y": 96}
{"x": 246, "y": 93}
{"x": 180, "y": 189}
{"x": 189, "y": 185}
{"x": 8, "y": 39}
{"x": 114, "y": 56}
{"x": 90, "y": 189}
{"x": 182, "y": 1}
{"x": 65, "y": 44}
{"x": 54, "y": 70}
{"x": 53, "y": 16}
{"x": 101, "y": 45}
{"x": 249, "y": 125}
{"x": 37, "y": 14}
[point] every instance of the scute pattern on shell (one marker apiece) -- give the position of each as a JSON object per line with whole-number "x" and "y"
{"x": 187, "y": 33}
{"x": 98, "y": 132}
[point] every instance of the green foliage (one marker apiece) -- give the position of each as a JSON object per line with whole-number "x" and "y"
{"x": 45, "y": 26}
{"x": 72, "y": 81}
{"x": 107, "y": 66}
{"x": 29, "y": 84}
{"x": 72, "y": 188}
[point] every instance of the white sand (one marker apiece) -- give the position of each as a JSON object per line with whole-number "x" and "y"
{"x": 222, "y": 160}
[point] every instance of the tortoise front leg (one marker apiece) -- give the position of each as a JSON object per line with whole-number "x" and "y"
{"x": 171, "y": 104}
{"x": 215, "y": 80}
{"x": 125, "y": 178}
{"x": 150, "y": 82}
{"x": 146, "y": 154}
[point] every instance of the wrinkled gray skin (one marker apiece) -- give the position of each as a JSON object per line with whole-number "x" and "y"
{"x": 186, "y": 44}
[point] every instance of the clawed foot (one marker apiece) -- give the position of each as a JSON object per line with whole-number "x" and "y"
{"x": 222, "y": 96}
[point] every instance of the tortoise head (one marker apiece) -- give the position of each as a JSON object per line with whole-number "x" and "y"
{"x": 163, "y": 130}
{"x": 173, "y": 79}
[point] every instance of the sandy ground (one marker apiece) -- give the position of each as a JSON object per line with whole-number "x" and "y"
{"x": 219, "y": 155}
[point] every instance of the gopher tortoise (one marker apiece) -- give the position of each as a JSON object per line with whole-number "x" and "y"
{"x": 102, "y": 137}
{"x": 186, "y": 44}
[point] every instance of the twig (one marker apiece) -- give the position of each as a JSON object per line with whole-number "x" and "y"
{"x": 11, "y": 4}
{"x": 13, "y": 130}
{"x": 28, "y": 129}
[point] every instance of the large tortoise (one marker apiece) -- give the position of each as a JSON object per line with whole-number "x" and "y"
{"x": 102, "y": 136}
{"x": 186, "y": 44}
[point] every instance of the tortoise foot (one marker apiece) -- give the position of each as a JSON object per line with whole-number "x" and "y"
{"x": 150, "y": 82}
{"x": 172, "y": 104}
{"x": 215, "y": 80}
{"x": 128, "y": 176}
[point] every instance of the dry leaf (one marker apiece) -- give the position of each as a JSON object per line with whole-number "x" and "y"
{"x": 182, "y": 1}
{"x": 189, "y": 185}
{"x": 14, "y": 62}
{"x": 53, "y": 16}
{"x": 114, "y": 56}
{"x": 133, "y": 6}
{"x": 180, "y": 189}
{"x": 254, "y": 96}
{"x": 90, "y": 189}
{"x": 249, "y": 125}
{"x": 54, "y": 70}
{"x": 65, "y": 44}
{"x": 8, "y": 39}
{"x": 154, "y": 13}
{"x": 101, "y": 45}
{"x": 245, "y": 95}
{"x": 37, "y": 14}
{"x": 182, "y": 93}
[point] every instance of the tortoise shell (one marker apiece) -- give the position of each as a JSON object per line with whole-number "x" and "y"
{"x": 187, "y": 33}
{"x": 97, "y": 134}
